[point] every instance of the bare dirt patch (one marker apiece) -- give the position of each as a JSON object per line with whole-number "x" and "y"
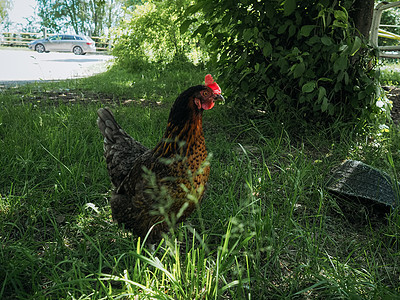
{"x": 82, "y": 97}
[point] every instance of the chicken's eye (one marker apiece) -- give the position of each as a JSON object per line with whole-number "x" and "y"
{"x": 206, "y": 94}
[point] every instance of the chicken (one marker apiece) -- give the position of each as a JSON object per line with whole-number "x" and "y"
{"x": 163, "y": 185}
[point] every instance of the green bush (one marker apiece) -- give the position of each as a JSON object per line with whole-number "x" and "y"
{"x": 300, "y": 56}
{"x": 152, "y": 34}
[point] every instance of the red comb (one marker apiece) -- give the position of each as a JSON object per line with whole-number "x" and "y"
{"x": 212, "y": 84}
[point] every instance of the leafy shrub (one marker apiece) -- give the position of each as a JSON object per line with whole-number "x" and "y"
{"x": 299, "y": 56}
{"x": 152, "y": 34}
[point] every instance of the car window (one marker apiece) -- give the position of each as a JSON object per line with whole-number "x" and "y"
{"x": 68, "y": 37}
{"x": 78, "y": 38}
{"x": 55, "y": 38}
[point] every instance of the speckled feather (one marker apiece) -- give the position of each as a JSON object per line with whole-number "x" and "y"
{"x": 120, "y": 149}
{"x": 177, "y": 162}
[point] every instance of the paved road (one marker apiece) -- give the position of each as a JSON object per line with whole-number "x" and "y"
{"x": 17, "y": 66}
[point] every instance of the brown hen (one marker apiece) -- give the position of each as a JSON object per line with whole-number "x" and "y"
{"x": 163, "y": 185}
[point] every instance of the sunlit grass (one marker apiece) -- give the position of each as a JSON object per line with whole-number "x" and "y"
{"x": 267, "y": 228}
{"x": 390, "y": 72}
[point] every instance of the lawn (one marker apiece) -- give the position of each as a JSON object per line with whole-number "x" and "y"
{"x": 267, "y": 228}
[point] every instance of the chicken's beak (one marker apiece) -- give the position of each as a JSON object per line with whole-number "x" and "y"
{"x": 219, "y": 98}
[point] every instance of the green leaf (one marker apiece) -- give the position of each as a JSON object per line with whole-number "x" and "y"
{"x": 292, "y": 30}
{"x": 356, "y": 45}
{"x": 299, "y": 70}
{"x": 331, "y": 109}
{"x": 324, "y": 105}
{"x": 255, "y": 32}
{"x": 346, "y": 78}
{"x": 240, "y": 62}
{"x": 321, "y": 92}
{"x": 288, "y": 7}
{"x": 340, "y": 15}
{"x": 247, "y": 35}
{"x": 267, "y": 50}
{"x": 282, "y": 28}
{"x": 339, "y": 24}
{"x": 340, "y": 64}
{"x": 270, "y": 92}
{"x": 325, "y": 79}
{"x": 193, "y": 9}
{"x": 308, "y": 87}
{"x": 306, "y": 30}
{"x": 327, "y": 41}
{"x": 343, "y": 47}
{"x": 340, "y": 76}
{"x": 202, "y": 29}
{"x": 185, "y": 25}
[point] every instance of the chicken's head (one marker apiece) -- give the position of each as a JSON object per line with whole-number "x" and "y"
{"x": 192, "y": 102}
{"x": 209, "y": 95}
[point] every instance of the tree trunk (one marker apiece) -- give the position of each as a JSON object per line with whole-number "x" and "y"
{"x": 361, "y": 14}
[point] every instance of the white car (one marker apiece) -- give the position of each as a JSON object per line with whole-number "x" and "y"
{"x": 78, "y": 44}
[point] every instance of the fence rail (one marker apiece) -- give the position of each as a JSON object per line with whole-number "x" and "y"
{"x": 21, "y": 39}
{"x": 376, "y": 31}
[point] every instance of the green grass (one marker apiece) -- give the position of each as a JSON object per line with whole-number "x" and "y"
{"x": 267, "y": 228}
{"x": 390, "y": 72}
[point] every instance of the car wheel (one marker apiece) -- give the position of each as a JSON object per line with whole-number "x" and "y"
{"x": 40, "y": 48}
{"x": 77, "y": 50}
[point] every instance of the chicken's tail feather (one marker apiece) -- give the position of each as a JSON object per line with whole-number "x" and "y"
{"x": 107, "y": 125}
{"x": 120, "y": 149}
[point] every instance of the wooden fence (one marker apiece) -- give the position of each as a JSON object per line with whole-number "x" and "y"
{"x": 21, "y": 39}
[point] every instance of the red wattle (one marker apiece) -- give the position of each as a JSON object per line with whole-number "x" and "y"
{"x": 208, "y": 105}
